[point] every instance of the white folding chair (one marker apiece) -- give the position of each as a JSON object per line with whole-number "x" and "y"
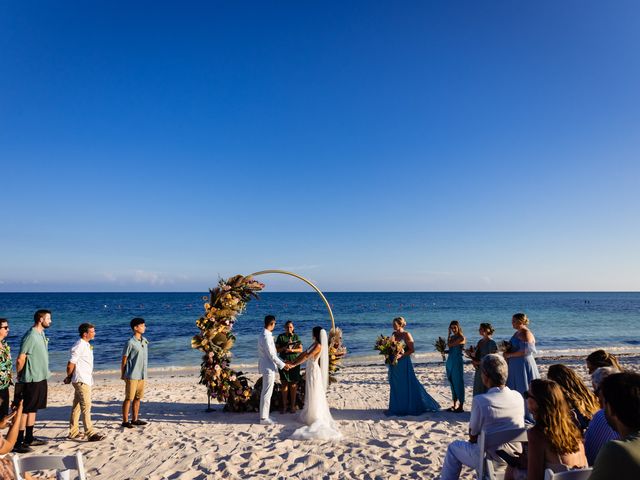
{"x": 491, "y": 441}
{"x": 61, "y": 464}
{"x": 582, "y": 474}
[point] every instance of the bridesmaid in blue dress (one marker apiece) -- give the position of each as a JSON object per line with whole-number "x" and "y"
{"x": 455, "y": 371}
{"x": 522, "y": 365}
{"x": 407, "y": 396}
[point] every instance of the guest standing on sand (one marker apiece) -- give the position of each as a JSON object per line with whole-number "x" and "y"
{"x": 5, "y": 367}
{"x": 32, "y": 367}
{"x": 454, "y": 366}
{"x": 288, "y": 345}
{"x": 522, "y": 365}
{"x": 407, "y": 395}
{"x": 80, "y": 375}
{"x": 485, "y": 346}
{"x": 135, "y": 357}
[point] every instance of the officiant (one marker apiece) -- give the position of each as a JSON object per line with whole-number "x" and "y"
{"x": 289, "y": 346}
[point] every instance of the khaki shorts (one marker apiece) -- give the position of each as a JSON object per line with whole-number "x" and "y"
{"x": 134, "y": 389}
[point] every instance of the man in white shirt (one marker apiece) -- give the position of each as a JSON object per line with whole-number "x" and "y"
{"x": 268, "y": 365}
{"x": 80, "y": 375}
{"x": 499, "y": 409}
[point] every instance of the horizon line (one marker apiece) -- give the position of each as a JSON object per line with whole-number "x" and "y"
{"x": 337, "y": 291}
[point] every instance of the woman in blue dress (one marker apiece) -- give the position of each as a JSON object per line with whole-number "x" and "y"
{"x": 407, "y": 396}
{"x": 485, "y": 346}
{"x": 522, "y": 365}
{"x": 455, "y": 371}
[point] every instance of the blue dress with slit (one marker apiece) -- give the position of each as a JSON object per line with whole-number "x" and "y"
{"x": 408, "y": 396}
{"x": 455, "y": 373}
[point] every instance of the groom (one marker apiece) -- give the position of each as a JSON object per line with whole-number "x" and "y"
{"x": 268, "y": 365}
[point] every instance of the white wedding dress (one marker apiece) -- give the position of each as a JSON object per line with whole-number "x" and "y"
{"x": 319, "y": 424}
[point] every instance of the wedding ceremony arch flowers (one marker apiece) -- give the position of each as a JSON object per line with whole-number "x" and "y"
{"x": 224, "y": 304}
{"x": 221, "y": 309}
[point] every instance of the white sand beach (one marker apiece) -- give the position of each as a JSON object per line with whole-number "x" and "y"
{"x": 183, "y": 441}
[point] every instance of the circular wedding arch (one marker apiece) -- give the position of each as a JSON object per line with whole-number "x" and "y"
{"x": 300, "y": 277}
{"x": 225, "y": 303}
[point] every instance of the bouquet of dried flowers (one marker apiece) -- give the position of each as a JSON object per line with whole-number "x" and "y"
{"x": 505, "y": 346}
{"x": 391, "y": 349}
{"x": 470, "y": 352}
{"x": 441, "y": 347}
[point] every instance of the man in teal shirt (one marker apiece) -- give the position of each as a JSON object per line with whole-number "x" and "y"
{"x": 135, "y": 356}
{"x": 32, "y": 367}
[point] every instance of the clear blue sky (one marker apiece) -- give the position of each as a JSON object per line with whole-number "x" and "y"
{"x": 152, "y": 146}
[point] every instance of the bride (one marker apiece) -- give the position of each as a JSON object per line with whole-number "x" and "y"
{"x": 319, "y": 424}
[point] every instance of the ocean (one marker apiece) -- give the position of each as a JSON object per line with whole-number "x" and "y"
{"x": 576, "y": 322}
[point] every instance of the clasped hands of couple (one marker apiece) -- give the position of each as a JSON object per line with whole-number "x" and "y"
{"x": 289, "y": 365}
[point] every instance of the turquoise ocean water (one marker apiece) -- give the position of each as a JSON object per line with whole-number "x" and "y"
{"x": 562, "y": 322}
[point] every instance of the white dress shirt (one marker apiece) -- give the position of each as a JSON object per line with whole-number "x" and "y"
{"x": 268, "y": 360}
{"x": 82, "y": 358}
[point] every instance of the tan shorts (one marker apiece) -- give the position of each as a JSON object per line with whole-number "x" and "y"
{"x": 134, "y": 389}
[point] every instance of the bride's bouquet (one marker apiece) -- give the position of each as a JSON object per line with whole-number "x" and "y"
{"x": 391, "y": 349}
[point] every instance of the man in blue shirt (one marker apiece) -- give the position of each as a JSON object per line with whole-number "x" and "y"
{"x": 135, "y": 357}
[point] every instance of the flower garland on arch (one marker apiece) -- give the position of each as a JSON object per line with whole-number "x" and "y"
{"x": 225, "y": 303}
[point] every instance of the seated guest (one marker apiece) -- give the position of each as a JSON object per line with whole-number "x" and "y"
{"x": 554, "y": 441}
{"x": 599, "y": 431}
{"x": 13, "y": 421}
{"x": 600, "y": 358}
{"x": 582, "y": 402}
{"x": 499, "y": 409}
{"x": 7, "y": 443}
{"x": 620, "y": 459}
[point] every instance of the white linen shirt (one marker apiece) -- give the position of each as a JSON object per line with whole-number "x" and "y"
{"x": 82, "y": 358}
{"x": 268, "y": 360}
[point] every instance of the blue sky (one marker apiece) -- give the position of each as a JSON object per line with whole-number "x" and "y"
{"x": 151, "y": 146}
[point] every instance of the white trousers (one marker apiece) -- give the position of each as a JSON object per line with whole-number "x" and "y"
{"x": 459, "y": 453}
{"x": 268, "y": 381}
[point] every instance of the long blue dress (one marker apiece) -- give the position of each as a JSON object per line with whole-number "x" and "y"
{"x": 455, "y": 373}
{"x": 408, "y": 396}
{"x": 522, "y": 369}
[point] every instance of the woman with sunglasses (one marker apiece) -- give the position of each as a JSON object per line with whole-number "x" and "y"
{"x": 554, "y": 442}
